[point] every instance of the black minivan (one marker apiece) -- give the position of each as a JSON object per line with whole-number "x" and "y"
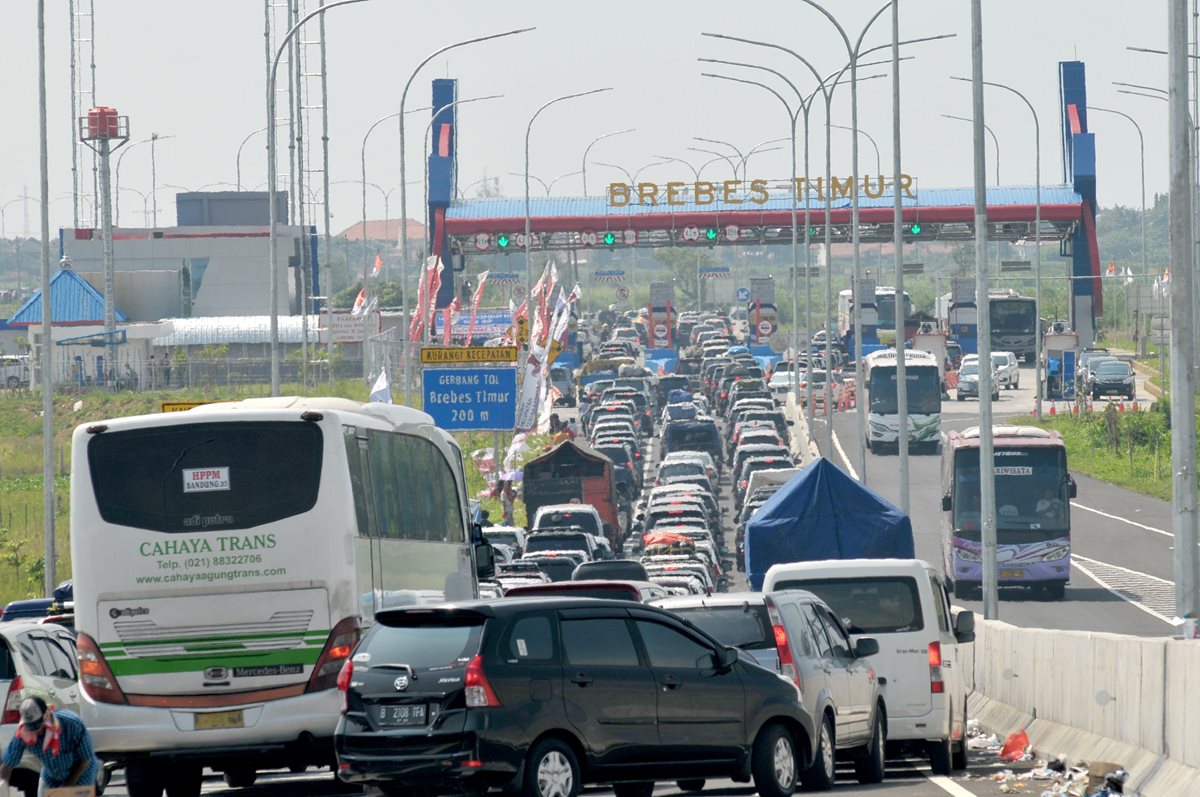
{"x": 542, "y": 695}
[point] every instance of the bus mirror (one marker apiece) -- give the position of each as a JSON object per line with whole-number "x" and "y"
{"x": 1071, "y": 487}
{"x": 485, "y": 561}
{"x": 476, "y": 533}
{"x": 946, "y": 503}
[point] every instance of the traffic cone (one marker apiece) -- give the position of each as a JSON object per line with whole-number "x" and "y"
{"x": 1121, "y": 407}
{"x": 1075, "y": 409}
{"x": 1053, "y": 408}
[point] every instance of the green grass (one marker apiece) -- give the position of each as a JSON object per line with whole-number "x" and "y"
{"x": 1129, "y": 449}
{"x": 21, "y": 496}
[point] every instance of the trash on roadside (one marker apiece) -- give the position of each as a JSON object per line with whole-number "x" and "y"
{"x": 1016, "y": 747}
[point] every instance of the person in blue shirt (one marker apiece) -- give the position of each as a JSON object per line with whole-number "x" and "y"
{"x": 60, "y": 741}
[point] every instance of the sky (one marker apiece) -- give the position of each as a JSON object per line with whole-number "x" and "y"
{"x": 195, "y": 71}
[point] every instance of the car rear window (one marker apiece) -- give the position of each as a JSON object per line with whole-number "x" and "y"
{"x": 421, "y": 641}
{"x": 692, "y": 435}
{"x": 569, "y": 589}
{"x": 745, "y": 626}
{"x": 868, "y": 605}
{"x": 198, "y": 476}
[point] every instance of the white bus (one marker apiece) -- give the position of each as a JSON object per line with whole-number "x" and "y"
{"x": 924, "y": 381}
{"x": 226, "y": 560}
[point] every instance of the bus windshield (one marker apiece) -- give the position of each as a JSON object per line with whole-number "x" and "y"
{"x": 885, "y": 305}
{"x": 1032, "y": 502}
{"x": 924, "y": 391}
{"x": 1013, "y": 316}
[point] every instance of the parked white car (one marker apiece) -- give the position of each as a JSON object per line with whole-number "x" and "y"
{"x": 1005, "y": 371}
{"x": 902, "y": 603}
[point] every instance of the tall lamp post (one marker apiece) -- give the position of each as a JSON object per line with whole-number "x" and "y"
{"x": 117, "y": 172}
{"x": 595, "y": 141}
{"x": 1037, "y": 234}
{"x": 403, "y": 172}
{"x": 1142, "y": 153}
{"x": 528, "y": 221}
{"x": 272, "y": 213}
{"x": 878, "y": 171}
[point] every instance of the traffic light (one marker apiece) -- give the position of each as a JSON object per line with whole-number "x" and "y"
{"x": 915, "y": 228}
{"x": 502, "y": 241}
{"x": 711, "y": 233}
{"x": 609, "y": 238}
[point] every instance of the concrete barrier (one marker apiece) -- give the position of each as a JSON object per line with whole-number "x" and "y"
{"x": 802, "y": 445}
{"x": 1094, "y": 696}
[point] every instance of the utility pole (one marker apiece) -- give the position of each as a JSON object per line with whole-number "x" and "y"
{"x": 1183, "y": 401}
{"x": 46, "y": 382}
{"x": 898, "y": 245}
{"x": 987, "y": 485}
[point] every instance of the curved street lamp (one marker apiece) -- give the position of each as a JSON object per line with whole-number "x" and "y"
{"x": 588, "y": 148}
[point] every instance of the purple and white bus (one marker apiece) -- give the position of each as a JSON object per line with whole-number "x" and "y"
{"x": 1033, "y": 510}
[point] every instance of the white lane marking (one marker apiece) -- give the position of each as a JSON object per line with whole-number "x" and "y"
{"x": 1123, "y": 520}
{"x": 1130, "y": 585}
{"x": 945, "y": 784}
{"x": 842, "y": 453}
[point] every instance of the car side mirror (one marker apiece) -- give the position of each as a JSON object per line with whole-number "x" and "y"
{"x": 1072, "y": 488}
{"x": 946, "y": 502}
{"x": 867, "y": 646}
{"x": 485, "y": 561}
{"x": 724, "y": 659}
{"x": 964, "y": 626}
{"x": 476, "y": 533}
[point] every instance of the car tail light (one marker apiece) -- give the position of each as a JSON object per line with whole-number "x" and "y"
{"x": 13, "y": 702}
{"x": 936, "y": 685}
{"x": 338, "y": 648}
{"x": 787, "y": 665}
{"x": 743, "y": 484}
{"x": 343, "y": 683}
{"x": 95, "y": 675}
{"x": 478, "y": 690}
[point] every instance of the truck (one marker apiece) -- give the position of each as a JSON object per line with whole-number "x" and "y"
{"x": 824, "y": 514}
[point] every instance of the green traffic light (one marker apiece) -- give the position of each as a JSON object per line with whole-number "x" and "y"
{"x": 609, "y": 239}
{"x": 915, "y": 228}
{"x": 502, "y": 241}
{"x": 711, "y": 233}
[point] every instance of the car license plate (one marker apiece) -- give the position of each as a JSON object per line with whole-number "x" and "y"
{"x": 220, "y": 720}
{"x": 402, "y": 716}
{"x": 1012, "y": 574}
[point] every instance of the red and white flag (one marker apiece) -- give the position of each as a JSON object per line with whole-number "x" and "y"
{"x": 1112, "y": 268}
{"x": 431, "y": 292}
{"x": 475, "y": 305}
{"x": 419, "y": 312}
{"x": 448, "y": 315}
{"x": 378, "y": 265}
{"x": 360, "y": 303}
{"x": 1166, "y": 274}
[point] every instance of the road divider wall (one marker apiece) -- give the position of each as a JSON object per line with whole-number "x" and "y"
{"x": 802, "y": 443}
{"x": 1094, "y": 696}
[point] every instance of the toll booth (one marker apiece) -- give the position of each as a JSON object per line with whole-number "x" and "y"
{"x": 1060, "y": 352}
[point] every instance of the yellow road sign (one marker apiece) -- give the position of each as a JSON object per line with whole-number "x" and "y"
{"x": 522, "y": 330}
{"x": 468, "y": 354}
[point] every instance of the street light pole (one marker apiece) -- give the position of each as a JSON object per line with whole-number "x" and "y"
{"x": 899, "y": 307}
{"x": 596, "y": 140}
{"x": 528, "y": 222}
{"x": 272, "y": 213}
{"x": 987, "y": 485}
{"x": 1183, "y": 400}
{"x": 1142, "y": 152}
{"x": 117, "y": 172}
{"x": 403, "y": 172}
{"x": 50, "y": 555}
{"x": 1037, "y": 236}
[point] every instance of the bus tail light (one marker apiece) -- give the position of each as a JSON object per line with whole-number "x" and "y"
{"x": 95, "y": 676}
{"x": 787, "y": 665}
{"x": 338, "y": 648}
{"x": 12, "y": 703}
{"x": 937, "y": 686}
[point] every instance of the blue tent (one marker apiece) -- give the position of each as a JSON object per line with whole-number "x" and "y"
{"x": 824, "y": 514}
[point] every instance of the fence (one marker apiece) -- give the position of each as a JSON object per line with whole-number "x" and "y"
{"x": 195, "y": 373}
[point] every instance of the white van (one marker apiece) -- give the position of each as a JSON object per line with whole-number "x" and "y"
{"x": 904, "y": 605}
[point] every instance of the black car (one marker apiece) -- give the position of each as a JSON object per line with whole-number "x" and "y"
{"x": 1112, "y": 378}
{"x": 539, "y": 696}
{"x": 693, "y": 436}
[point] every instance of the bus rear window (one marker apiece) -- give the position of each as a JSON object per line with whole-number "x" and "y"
{"x": 206, "y": 476}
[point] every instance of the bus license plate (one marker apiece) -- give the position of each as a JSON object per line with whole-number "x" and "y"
{"x": 402, "y": 716}
{"x": 220, "y": 720}
{"x": 1012, "y": 574}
